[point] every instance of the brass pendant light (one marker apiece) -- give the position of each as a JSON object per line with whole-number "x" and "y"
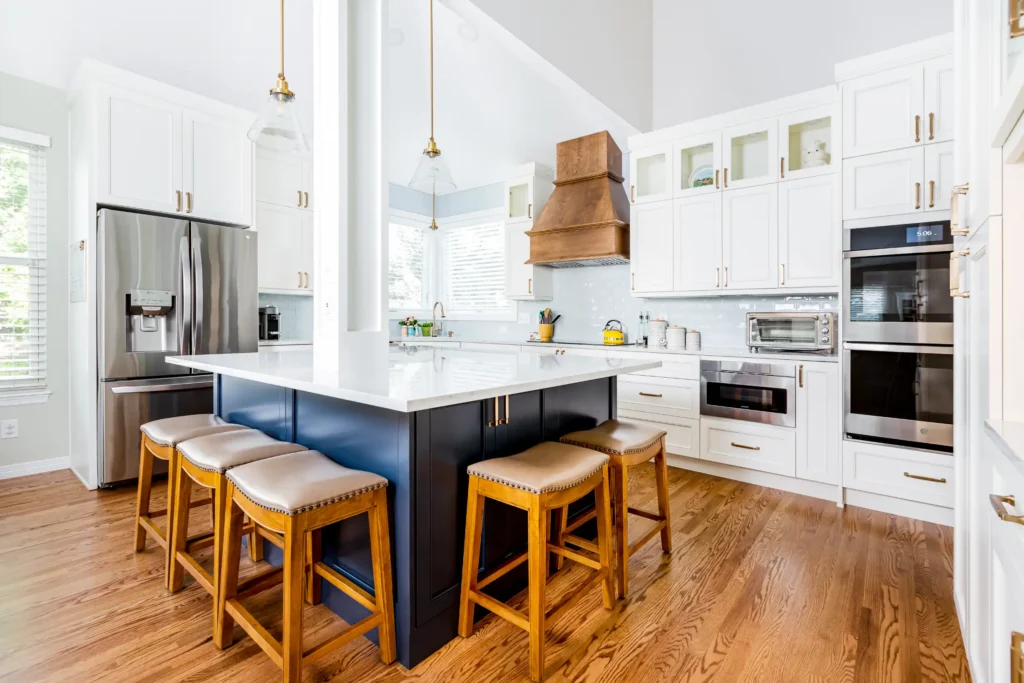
{"x": 277, "y": 127}
{"x": 432, "y": 173}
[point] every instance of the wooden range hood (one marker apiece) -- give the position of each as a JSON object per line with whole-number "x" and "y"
{"x": 586, "y": 220}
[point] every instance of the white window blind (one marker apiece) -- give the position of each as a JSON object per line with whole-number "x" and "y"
{"x": 474, "y": 268}
{"x": 22, "y": 265}
{"x": 408, "y": 286}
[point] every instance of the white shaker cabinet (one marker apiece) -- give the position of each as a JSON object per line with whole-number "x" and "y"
{"x": 939, "y": 102}
{"x": 809, "y": 232}
{"x": 697, "y": 165}
{"x": 650, "y": 174}
{"x": 279, "y": 178}
{"x": 751, "y": 154}
{"x": 524, "y": 281}
{"x": 652, "y": 262}
{"x": 139, "y": 145}
{"x": 281, "y": 234}
{"x": 883, "y": 111}
{"x": 883, "y": 184}
{"x": 938, "y": 176}
{"x": 698, "y": 243}
{"x": 750, "y": 232}
{"x": 306, "y": 259}
{"x": 217, "y": 169}
{"x": 818, "y": 418}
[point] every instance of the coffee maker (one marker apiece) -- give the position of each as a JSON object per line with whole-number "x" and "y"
{"x": 270, "y": 323}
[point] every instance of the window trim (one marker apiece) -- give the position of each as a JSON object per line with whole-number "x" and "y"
{"x": 430, "y": 263}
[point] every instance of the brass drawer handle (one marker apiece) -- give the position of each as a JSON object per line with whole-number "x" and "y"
{"x": 783, "y": 274}
{"x": 716, "y": 178}
{"x": 744, "y": 446}
{"x": 801, "y": 377}
{"x": 931, "y": 194}
{"x": 782, "y": 167}
{"x": 300, "y": 279}
{"x": 718, "y": 272}
{"x": 644, "y": 393}
{"x": 632, "y": 281}
{"x": 931, "y": 125}
{"x": 725, "y": 282}
{"x": 188, "y": 202}
{"x": 529, "y": 285}
{"x": 632, "y": 193}
{"x": 178, "y": 194}
{"x": 998, "y": 505}
{"x": 725, "y": 177}
{"x": 529, "y": 210}
{"x": 917, "y": 195}
{"x": 305, "y": 200}
{"x": 924, "y": 478}
{"x": 494, "y": 422}
{"x": 300, "y": 198}
{"x": 917, "y": 128}
{"x": 507, "y": 418}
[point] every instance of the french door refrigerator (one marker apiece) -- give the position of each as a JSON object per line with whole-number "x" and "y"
{"x": 166, "y": 287}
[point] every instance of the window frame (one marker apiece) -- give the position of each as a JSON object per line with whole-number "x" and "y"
{"x": 32, "y": 391}
{"x": 430, "y": 259}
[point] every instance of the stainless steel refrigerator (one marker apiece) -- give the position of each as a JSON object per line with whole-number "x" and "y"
{"x": 166, "y": 287}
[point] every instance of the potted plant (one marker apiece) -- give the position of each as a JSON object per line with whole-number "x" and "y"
{"x": 406, "y": 325}
{"x": 426, "y": 328}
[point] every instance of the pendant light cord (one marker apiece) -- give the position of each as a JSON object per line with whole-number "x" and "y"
{"x": 431, "y": 67}
{"x": 282, "y": 40}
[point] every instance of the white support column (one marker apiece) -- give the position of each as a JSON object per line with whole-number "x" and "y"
{"x": 350, "y": 180}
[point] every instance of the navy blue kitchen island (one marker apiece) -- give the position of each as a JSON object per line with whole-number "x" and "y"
{"x": 424, "y": 454}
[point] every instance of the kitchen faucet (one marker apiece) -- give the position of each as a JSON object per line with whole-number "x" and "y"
{"x": 435, "y": 329}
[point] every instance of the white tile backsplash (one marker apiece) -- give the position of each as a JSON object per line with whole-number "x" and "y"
{"x": 588, "y": 297}
{"x": 296, "y": 315}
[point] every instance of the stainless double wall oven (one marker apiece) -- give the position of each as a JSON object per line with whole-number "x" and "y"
{"x": 898, "y": 350}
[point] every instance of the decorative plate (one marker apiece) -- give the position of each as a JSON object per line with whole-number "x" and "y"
{"x": 702, "y": 176}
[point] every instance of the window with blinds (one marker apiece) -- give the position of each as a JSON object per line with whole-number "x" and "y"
{"x": 474, "y": 268}
{"x": 408, "y": 286}
{"x": 22, "y": 266}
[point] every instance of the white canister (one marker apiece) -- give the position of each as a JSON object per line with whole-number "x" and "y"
{"x": 656, "y": 333}
{"x": 693, "y": 340}
{"x": 675, "y": 338}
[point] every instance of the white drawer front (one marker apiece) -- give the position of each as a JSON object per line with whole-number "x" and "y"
{"x": 898, "y": 472}
{"x": 682, "y": 434}
{"x": 680, "y": 367}
{"x": 679, "y": 398}
{"x": 749, "y": 445}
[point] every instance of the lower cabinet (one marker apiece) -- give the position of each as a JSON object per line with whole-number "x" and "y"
{"x": 922, "y": 476}
{"x": 748, "y": 444}
{"x": 818, "y": 421}
{"x": 682, "y": 435}
{"x": 285, "y": 248}
{"x": 660, "y": 396}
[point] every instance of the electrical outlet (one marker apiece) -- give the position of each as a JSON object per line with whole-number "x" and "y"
{"x": 8, "y": 429}
{"x": 524, "y": 318}
{"x": 502, "y": 329}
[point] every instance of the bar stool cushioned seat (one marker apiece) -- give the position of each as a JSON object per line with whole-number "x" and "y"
{"x": 223, "y": 451}
{"x": 297, "y": 482}
{"x": 543, "y": 468}
{"x": 616, "y": 438}
{"x": 173, "y": 430}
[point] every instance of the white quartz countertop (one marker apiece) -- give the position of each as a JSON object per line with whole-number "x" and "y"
{"x": 416, "y": 377}
{"x": 1009, "y": 437}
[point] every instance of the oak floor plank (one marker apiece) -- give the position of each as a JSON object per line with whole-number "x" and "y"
{"x": 762, "y": 585}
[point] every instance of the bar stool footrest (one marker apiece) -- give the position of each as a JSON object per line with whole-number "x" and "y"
{"x": 344, "y": 638}
{"x": 344, "y": 584}
{"x": 653, "y": 516}
{"x": 580, "y": 521}
{"x": 158, "y": 533}
{"x": 580, "y": 542}
{"x": 507, "y": 613}
{"x": 503, "y": 569}
{"x": 647, "y": 537}
{"x": 575, "y": 557}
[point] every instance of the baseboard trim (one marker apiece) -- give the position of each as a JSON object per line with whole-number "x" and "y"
{"x": 926, "y": 512}
{"x": 23, "y": 469}
{"x": 803, "y": 487}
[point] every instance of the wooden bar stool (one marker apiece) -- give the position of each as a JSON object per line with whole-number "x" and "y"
{"x": 627, "y": 444}
{"x": 546, "y": 477}
{"x": 295, "y": 495}
{"x": 159, "y": 440}
{"x": 205, "y": 461}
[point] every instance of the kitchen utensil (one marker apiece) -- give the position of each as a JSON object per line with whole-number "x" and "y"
{"x": 675, "y": 338}
{"x": 613, "y": 335}
{"x": 656, "y": 333}
{"x": 556, "y": 318}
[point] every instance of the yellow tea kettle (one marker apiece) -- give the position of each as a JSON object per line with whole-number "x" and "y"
{"x": 613, "y": 334}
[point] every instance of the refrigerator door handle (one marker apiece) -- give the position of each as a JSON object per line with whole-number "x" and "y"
{"x": 153, "y": 388}
{"x": 185, "y": 305}
{"x": 197, "y": 266}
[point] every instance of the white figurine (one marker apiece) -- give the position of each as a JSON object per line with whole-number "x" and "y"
{"x": 815, "y": 155}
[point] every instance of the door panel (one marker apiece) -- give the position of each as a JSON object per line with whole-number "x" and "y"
{"x": 750, "y": 229}
{"x": 217, "y": 169}
{"x": 279, "y": 178}
{"x": 698, "y": 243}
{"x": 883, "y": 111}
{"x": 280, "y": 262}
{"x": 939, "y": 100}
{"x": 818, "y": 416}
{"x": 650, "y": 174}
{"x": 651, "y": 253}
{"x": 938, "y": 176}
{"x": 224, "y": 263}
{"x": 883, "y": 184}
{"x": 809, "y": 233}
{"x": 750, "y": 154}
{"x": 697, "y": 165}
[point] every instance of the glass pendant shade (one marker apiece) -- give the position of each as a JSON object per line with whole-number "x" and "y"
{"x": 432, "y": 175}
{"x": 277, "y": 127}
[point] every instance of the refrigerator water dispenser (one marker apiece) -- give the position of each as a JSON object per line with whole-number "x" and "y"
{"x": 149, "y": 324}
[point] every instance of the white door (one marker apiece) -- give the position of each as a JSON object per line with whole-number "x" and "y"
{"x": 750, "y": 154}
{"x": 807, "y": 143}
{"x": 217, "y": 169}
{"x": 519, "y": 199}
{"x": 939, "y": 100}
{"x": 281, "y": 259}
{"x": 938, "y": 176}
{"x": 818, "y": 415}
{"x": 698, "y": 243}
{"x": 883, "y": 111}
{"x": 750, "y": 237}
{"x": 650, "y": 174}
{"x": 279, "y": 178}
{"x": 651, "y": 252}
{"x": 307, "y": 184}
{"x": 883, "y": 184}
{"x": 306, "y": 255}
{"x": 518, "y": 275}
{"x": 809, "y": 232}
{"x": 697, "y": 165}
{"x": 139, "y": 141}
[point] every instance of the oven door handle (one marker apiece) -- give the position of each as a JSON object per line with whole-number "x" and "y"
{"x": 899, "y": 251}
{"x": 899, "y": 348}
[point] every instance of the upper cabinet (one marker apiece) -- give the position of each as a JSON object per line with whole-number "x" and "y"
{"x": 279, "y": 178}
{"x": 698, "y": 165}
{"x": 698, "y": 243}
{"x": 527, "y": 192}
{"x": 883, "y": 184}
{"x": 524, "y": 281}
{"x": 809, "y": 245}
{"x": 284, "y": 219}
{"x": 751, "y": 154}
{"x": 651, "y": 250}
{"x": 750, "y": 233}
{"x": 939, "y": 103}
{"x": 650, "y": 173}
{"x": 806, "y": 143}
{"x": 217, "y": 169}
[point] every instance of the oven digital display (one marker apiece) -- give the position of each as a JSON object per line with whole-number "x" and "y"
{"x": 922, "y": 234}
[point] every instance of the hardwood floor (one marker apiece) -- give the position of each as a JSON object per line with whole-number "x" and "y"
{"x": 761, "y": 586}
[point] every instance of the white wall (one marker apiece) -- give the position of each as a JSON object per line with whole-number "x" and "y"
{"x": 44, "y": 427}
{"x": 604, "y": 45}
{"x": 713, "y": 57}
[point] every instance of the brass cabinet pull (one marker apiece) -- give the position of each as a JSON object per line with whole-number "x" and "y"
{"x": 999, "y": 503}
{"x": 801, "y": 377}
{"x": 718, "y": 272}
{"x": 931, "y": 125}
{"x": 917, "y": 128}
{"x": 725, "y": 281}
{"x": 632, "y": 281}
{"x": 783, "y": 274}
{"x": 1016, "y": 30}
{"x": 644, "y": 393}
{"x": 725, "y": 177}
{"x": 188, "y": 202}
{"x": 744, "y": 446}
{"x": 507, "y": 418}
{"x": 305, "y": 200}
{"x": 306, "y": 273}
{"x": 529, "y": 210}
{"x": 529, "y": 285}
{"x": 954, "y": 273}
{"x": 931, "y": 194}
{"x": 924, "y": 478}
{"x": 632, "y": 193}
{"x": 300, "y": 279}
{"x": 510, "y": 203}
{"x": 716, "y": 178}
{"x": 178, "y": 194}
{"x": 917, "y": 195}
{"x": 954, "y": 209}
{"x": 782, "y": 167}
{"x": 494, "y": 422}
{"x": 300, "y": 198}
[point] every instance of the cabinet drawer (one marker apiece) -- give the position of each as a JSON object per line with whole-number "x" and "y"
{"x": 677, "y": 397}
{"x": 682, "y": 433}
{"x": 749, "y": 445}
{"x": 898, "y": 472}
{"x": 683, "y": 368}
